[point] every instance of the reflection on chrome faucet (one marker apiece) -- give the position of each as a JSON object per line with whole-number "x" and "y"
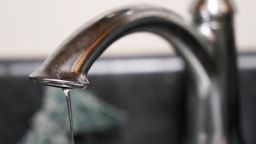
{"x": 207, "y": 46}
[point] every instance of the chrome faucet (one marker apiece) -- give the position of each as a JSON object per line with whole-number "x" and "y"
{"x": 207, "y": 45}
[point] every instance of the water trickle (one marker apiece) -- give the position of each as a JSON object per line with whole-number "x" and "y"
{"x": 68, "y": 100}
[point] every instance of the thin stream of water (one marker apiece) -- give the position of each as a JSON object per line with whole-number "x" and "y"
{"x": 68, "y": 100}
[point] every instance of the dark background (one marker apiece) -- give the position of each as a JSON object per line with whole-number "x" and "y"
{"x": 154, "y": 103}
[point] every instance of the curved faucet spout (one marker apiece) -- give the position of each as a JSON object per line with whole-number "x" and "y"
{"x": 212, "y": 110}
{"x": 69, "y": 64}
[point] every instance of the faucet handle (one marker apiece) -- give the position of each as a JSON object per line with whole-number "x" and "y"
{"x": 207, "y": 10}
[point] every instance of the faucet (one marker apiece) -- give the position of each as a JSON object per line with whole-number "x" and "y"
{"x": 207, "y": 45}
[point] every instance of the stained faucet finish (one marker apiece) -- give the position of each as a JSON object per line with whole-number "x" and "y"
{"x": 207, "y": 45}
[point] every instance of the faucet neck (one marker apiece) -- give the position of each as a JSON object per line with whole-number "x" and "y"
{"x": 215, "y": 21}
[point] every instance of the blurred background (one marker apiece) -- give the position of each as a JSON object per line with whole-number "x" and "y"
{"x": 136, "y": 92}
{"x": 33, "y": 28}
